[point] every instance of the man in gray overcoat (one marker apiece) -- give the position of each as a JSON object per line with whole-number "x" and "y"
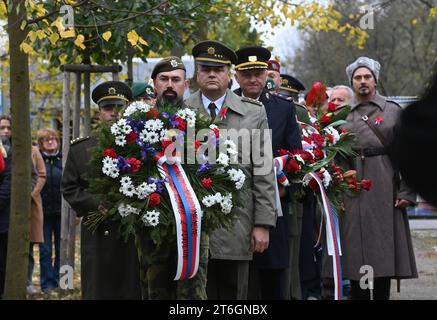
{"x": 231, "y": 251}
{"x": 375, "y": 230}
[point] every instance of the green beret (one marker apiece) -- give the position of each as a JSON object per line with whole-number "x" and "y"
{"x": 142, "y": 89}
{"x": 168, "y": 64}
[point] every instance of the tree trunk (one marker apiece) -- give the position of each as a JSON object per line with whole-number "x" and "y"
{"x": 19, "y": 229}
{"x": 68, "y": 216}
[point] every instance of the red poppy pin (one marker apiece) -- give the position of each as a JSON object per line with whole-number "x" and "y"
{"x": 223, "y": 112}
{"x": 379, "y": 120}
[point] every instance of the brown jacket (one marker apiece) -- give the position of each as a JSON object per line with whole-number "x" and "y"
{"x": 373, "y": 231}
{"x": 36, "y": 222}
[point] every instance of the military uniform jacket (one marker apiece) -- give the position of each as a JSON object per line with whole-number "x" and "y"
{"x": 373, "y": 231}
{"x": 109, "y": 266}
{"x": 285, "y": 135}
{"x": 259, "y": 195}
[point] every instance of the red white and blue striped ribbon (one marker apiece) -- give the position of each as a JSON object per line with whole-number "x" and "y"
{"x": 332, "y": 237}
{"x": 280, "y": 163}
{"x": 187, "y": 213}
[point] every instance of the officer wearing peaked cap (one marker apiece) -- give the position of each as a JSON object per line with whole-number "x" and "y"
{"x": 269, "y": 268}
{"x": 109, "y": 266}
{"x": 289, "y": 89}
{"x": 230, "y": 251}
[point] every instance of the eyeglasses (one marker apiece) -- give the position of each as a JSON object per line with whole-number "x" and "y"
{"x": 49, "y": 139}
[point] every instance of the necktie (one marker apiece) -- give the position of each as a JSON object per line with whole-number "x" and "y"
{"x": 212, "y": 108}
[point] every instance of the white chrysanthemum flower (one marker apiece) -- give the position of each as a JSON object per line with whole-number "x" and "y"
{"x": 145, "y": 189}
{"x": 110, "y": 162}
{"x": 144, "y": 107}
{"x": 238, "y": 177}
{"x": 223, "y": 159}
{"x": 209, "y": 201}
{"x": 151, "y": 218}
{"x": 152, "y": 137}
{"x": 126, "y": 210}
{"x": 120, "y": 141}
{"x": 326, "y": 178}
{"x": 114, "y": 173}
{"x": 128, "y": 190}
{"x": 226, "y": 203}
{"x": 126, "y": 180}
{"x": 154, "y": 125}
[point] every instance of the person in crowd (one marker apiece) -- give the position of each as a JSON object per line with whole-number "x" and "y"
{"x": 49, "y": 146}
{"x": 268, "y": 269}
{"x": 109, "y": 265}
{"x": 231, "y": 251}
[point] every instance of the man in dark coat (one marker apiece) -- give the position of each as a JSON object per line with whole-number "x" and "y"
{"x": 270, "y": 266}
{"x": 109, "y": 266}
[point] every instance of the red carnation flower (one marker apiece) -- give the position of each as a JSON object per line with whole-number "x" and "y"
{"x": 223, "y": 112}
{"x": 352, "y": 183}
{"x": 366, "y": 184}
{"x": 325, "y": 119}
{"x": 318, "y": 153}
{"x": 207, "y": 183}
{"x": 379, "y": 120}
{"x": 154, "y": 199}
{"x": 330, "y": 137}
{"x": 109, "y": 153}
{"x": 132, "y": 137}
{"x": 318, "y": 139}
{"x": 317, "y": 95}
{"x": 292, "y": 166}
{"x": 332, "y": 107}
{"x": 344, "y": 131}
{"x": 135, "y": 164}
{"x": 180, "y": 124}
{"x": 152, "y": 113}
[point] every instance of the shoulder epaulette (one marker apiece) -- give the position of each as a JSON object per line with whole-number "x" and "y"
{"x": 250, "y": 100}
{"x": 78, "y": 139}
{"x": 394, "y": 102}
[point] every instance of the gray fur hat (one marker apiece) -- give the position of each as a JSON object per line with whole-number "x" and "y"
{"x": 373, "y": 65}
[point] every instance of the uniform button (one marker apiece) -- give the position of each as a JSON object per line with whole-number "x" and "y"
{"x": 106, "y": 232}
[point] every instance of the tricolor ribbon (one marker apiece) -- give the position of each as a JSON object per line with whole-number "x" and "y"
{"x": 332, "y": 237}
{"x": 187, "y": 213}
{"x": 279, "y": 164}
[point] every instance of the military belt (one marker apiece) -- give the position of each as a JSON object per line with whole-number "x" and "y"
{"x": 370, "y": 152}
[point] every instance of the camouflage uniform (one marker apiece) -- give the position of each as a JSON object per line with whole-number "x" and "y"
{"x": 160, "y": 262}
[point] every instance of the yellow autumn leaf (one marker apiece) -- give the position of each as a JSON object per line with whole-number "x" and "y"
{"x": 67, "y": 34}
{"x": 3, "y": 9}
{"x": 107, "y": 35}
{"x": 54, "y": 37}
{"x": 414, "y": 22}
{"x": 143, "y": 42}
{"x": 159, "y": 30}
{"x": 26, "y": 48}
{"x": 133, "y": 37}
{"x": 79, "y": 41}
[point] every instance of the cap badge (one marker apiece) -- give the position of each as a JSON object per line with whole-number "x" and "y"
{"x": 112, "y": 90}
{"x": 285, "y": 81}
{"x": 148, "y": 91}
{"x": 174, "y": 63}
{"x": 252, "y": 58}
{"x": 211, "y": 50}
